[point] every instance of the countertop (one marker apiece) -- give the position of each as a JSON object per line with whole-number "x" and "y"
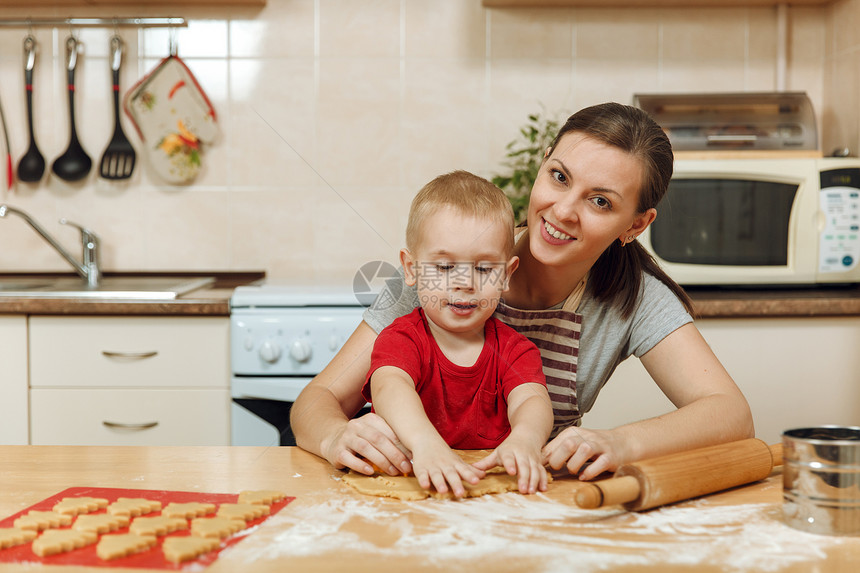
{"x": 215, "y": 301}
{"x": 773, "y": 302}
{"x": 210, "y": 301}
{"x": 329, "y": 527}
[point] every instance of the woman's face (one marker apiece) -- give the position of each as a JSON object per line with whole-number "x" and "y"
{"x": 585, "y": 197}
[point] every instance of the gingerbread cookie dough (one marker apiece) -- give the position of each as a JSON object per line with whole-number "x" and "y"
{"x": 406, "y": 488}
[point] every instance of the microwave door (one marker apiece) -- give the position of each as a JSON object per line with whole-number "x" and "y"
{"x": 732, "y": 226}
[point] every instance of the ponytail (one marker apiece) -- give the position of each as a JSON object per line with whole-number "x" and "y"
{"x": 616, "y": 277}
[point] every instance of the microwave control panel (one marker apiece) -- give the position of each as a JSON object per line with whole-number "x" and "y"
{"x": 839, "y": 241}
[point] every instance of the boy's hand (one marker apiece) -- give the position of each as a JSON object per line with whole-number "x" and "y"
{"x": 519, "y": 457}
{"x": 436, "y": 464}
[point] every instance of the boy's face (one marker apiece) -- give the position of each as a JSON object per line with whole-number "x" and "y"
{"x": 461, "y": 268}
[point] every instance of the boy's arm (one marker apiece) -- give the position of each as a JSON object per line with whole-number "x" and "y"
{"x": 397, "y": 402}
{"x": 531, "y": 418}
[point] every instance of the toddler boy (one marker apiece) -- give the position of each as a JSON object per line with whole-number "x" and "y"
{"x": 449, "y": 375}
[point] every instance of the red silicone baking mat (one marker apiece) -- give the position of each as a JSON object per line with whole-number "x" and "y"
{"x": 149, "y": 559}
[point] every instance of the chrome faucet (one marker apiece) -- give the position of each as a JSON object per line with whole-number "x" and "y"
{"x": 88, "y": 269}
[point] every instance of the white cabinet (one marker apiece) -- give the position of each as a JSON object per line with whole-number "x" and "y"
{"x": 794, "y": 372}
{"x": 13, "y": 380}
{"x": 129, "y": 380}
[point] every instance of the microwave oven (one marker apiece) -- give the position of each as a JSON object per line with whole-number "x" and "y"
{"x": 759, "y": 222}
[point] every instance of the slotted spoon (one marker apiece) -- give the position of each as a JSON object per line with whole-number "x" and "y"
{"x": 117, "y": 161}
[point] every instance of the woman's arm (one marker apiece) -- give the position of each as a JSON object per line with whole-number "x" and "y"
{"x": 320, "y": 417}
{"x": 711, "y": 409}
{"x": 433, "y": 462}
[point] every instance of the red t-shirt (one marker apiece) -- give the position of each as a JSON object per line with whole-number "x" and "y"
{"x": 466, "y": 404}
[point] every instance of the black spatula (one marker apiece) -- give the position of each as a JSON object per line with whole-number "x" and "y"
{"x": 117, "y": 161}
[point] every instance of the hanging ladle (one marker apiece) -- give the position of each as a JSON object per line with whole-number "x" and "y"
{"x": 74, "y": 164}
{"x": 31, "y": 167}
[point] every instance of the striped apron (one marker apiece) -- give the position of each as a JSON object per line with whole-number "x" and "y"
{"x": 556, "y": 333}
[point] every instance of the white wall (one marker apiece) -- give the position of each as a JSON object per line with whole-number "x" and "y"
{"x": 333, "y": 113}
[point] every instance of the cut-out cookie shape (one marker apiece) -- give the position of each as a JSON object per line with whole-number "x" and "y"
{"x": 122, "y": 544}
{"x": 133, "y": 506}
{"x": 243, "y": 511}
{"x": 178, "y": 549}
{"x": 219, "y": 527}
{"x": 12, "y": 536}
{"x": 56, "y": 541}
{"x": 76, "y": 505}
{"x": 264, "y": 497}
{"x": 188, "y": 510}
{"x": 41, "y": 520}
{"x": 100, "y": 523}
{"x": 159, "y": 525}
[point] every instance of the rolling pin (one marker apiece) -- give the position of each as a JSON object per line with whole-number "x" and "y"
{"x": 675, "y": 477}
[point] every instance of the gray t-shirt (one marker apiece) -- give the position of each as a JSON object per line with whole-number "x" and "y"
{"x": 607, "y": 339}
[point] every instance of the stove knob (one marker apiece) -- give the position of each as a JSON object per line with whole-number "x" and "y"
{"x": 270, "y": 351}
{"x": 333, "y": 342}
{"x": 300, "y": 350}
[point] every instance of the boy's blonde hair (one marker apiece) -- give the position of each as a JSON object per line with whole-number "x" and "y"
{"x": 468, "y": 194}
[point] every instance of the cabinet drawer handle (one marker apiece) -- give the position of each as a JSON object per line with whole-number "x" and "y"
{"x": 129, "y": 355}
{"x": 118, "y": 426}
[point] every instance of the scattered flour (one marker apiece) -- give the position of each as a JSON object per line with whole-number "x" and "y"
{"x": 749, "y": 537}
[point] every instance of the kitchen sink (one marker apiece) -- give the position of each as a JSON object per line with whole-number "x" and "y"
{"x": 142, "y": 288}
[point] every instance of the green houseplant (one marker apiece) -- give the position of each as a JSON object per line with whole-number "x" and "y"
{"x": 524, "y": 155}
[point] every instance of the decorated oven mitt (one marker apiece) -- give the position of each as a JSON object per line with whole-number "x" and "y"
{"x": 173, "y": 117}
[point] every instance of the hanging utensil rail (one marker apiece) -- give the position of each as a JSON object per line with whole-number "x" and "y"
{"x": 93, "y": 22}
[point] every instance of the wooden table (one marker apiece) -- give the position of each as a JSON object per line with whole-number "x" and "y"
{"x": 329, "y": 527}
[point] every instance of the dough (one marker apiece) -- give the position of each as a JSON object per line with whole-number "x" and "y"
{"x": 188, "y": 510}
{"x": 243, "y": 511}
{"x": 133, "y": 506}
{"x": 178, "y": 549}
{"x": 406, "y": 487}
{"x": 100, "y": 522}
{"x": 159, "y": 525}
{"x": 56, "y": 541}
{"x": 40, "y": 520}
{"x": 75, "y": 505}
{"x": 122, "y": 544}
{"x": 12, "y": 536}
{"x": 264, "y": 497}
{"x": 219, "y": 527}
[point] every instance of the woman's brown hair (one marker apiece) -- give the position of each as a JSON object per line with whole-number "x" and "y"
{"x": 616, "y": 277}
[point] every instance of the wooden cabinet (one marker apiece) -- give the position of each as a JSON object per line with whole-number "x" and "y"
{"x": 129, "y": 380}
{"x": 795, "y": 372}
{"x": 13, "y": 380}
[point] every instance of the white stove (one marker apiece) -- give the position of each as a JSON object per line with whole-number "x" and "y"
{"x": 281, "y": 336}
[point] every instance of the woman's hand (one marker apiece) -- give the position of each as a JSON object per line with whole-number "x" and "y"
{"x": 365, "y": 442}
{"x": 437, "y": 465}
{"x": 520, "y": 458}
{"x": 575, "y": 446}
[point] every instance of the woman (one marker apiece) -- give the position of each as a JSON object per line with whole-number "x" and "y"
{"x": 588, "y": 294}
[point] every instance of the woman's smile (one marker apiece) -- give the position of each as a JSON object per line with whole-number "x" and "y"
{"x": 554, "y": 235}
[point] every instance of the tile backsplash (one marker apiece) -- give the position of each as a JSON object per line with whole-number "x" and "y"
{"x": 333, "y": 113}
